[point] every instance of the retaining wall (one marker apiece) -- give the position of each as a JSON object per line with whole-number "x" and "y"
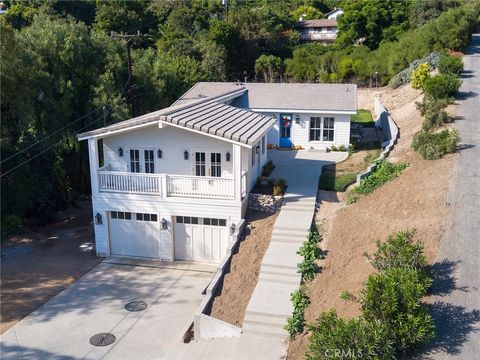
{"x": 391, "y": 132}
{"x": 205, "y": 326}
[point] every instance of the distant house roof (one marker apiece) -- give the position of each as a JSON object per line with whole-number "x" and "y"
{"x": 208, "y": 115}
{"x": 282, "y": 96}
{"x": 334, "y": 13}
{"x": 318, "y": 23}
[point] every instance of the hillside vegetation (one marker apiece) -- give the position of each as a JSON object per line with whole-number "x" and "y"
{"x": 62, "y": 73}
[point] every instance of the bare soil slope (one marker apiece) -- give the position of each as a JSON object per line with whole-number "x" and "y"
{"x": 417, "y": 199}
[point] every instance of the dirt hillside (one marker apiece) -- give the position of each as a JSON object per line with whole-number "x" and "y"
{"x": 417, "y": 199}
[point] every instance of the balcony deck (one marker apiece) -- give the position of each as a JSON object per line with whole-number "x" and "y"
{"x": 168, "y": 185}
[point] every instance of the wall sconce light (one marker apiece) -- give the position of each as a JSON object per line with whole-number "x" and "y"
{"x": 164, "y": 224}
{"x": 297, "y": 119}
{"x": 257, "y": 150}
{"x": 227, "y": 156}
{"x": 98, "y": 219}
{"x": 232, "y": 229}
{"x": 185, "y": 155}
{"x": 120, "y": 152}
{"x": 159, "y": 153}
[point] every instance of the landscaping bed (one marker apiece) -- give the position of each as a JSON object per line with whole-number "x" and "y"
{"x": 233, "y": 294}
{"x": 415, "y": 199}
{"x": 337, "y": 177}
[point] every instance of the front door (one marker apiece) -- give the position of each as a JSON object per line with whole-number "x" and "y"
{"x": 285, "y": 130}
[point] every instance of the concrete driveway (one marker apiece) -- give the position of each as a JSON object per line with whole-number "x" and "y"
{"x": 61, "y": 328}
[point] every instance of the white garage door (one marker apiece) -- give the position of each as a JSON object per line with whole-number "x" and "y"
{"x": 200, "y": 239}
{"x": 134, "y": 234}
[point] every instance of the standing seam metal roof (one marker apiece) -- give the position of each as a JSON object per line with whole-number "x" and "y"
{"x": 207, "y": 115}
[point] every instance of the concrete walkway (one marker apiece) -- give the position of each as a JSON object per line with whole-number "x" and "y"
{"x": 270, "y": 304}
{"x": 457, "y": 288}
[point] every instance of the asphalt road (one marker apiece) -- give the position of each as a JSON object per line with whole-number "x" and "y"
{"x": 457, "y": 289}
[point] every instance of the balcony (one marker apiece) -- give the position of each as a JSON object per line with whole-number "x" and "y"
{"x": 167, "y": 185}
{"x": 318, "y": 36}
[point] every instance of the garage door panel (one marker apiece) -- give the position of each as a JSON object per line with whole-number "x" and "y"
{"x": 134, "y": 237}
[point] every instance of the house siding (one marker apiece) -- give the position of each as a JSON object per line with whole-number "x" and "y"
{"x": 300, "y": 133}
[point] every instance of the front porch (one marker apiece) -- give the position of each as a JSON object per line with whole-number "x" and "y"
{"x": 169, "y": 185}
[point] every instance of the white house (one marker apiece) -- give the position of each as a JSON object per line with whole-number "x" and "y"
{"x": 320, "y": 30}
{"x": 174, "y": 183}
{"x": 334, "y": 13}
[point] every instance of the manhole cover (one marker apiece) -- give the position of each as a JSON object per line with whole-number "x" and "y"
{"x": 136, "y": 306}
{"x": 102, "y": 339}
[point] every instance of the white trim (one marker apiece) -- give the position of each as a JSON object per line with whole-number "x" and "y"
{"x": 304, "y": 111}
{"x": 113, "y": 132}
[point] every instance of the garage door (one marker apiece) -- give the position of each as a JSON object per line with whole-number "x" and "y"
{"x": 134, "y": 234}
{"x": 200, "y": 239}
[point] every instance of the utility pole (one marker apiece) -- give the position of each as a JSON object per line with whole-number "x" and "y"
{"x": 128, "y": 39}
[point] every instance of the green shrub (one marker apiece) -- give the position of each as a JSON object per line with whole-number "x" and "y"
{"x": 335, "y": 338}
{"x": 450, "y": 65}
{"x": 420, "y": 75}
{"x": 279, "y": 186}
{"x": 434, "y": 145}
{"x": 267, "y": 168}
{"x": 310, "y": 253}
{"x": 442, "y": 86}
{"x": 333, "y": 148}
{"x": 433, "y": 110}
{"x": 296, "y": 322}
{"x": 342, "y": 148}
{"x": 394, "y": 297}
{"x": 400, "y": 250}
{"x": 384, "y": 172}
{"x": 11, "y": 224}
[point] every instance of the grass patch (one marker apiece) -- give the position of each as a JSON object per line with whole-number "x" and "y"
{"x": 364, "y": 118}
{"x": 331, "y": 182}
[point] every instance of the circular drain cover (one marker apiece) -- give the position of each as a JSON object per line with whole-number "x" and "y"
{"x": 102, "y": 339}
{"x": 136, "y": 306}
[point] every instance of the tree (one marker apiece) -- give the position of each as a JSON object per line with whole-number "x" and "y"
{"x": 372, "y": 20}
{"x": 269, "y": 66}
{"x": 442, "y": 86}
{"x": 450, "y": 65}
{"x": 306, "y": 12}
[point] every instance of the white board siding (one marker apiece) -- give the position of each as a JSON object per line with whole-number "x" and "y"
{"x": 300, "y": 133}
{"x": 172, "y": 141}
{"x": 167, "y": 208}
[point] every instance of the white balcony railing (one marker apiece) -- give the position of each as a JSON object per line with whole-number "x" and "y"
{"x": 166, "y": 185}
{"x": 199, "y": 186}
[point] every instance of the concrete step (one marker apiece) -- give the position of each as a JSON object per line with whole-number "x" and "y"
{"x": 276, "y": 278}
{"x": 289, "y": 232}
{"x": 289, "y": 239}
{"x": 264, "y": 324}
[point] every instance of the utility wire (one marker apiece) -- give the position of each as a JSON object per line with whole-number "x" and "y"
{"x": 47, "y": 149}
{"x": 63, "y": 128}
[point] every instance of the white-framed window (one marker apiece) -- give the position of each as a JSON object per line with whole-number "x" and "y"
{"x": 263, "y": 144}
{"x": 215, "y": 164}
{"x": 134, "y": 160}
{"x": 200, "y": 164}
{"x": 328, "y": 128}
{"x": 315, "y": 128}
{"x": 149, "y": 161}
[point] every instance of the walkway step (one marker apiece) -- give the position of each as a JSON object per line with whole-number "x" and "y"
{"x": 264, "y": 324}
{"x": 288, "y": 239}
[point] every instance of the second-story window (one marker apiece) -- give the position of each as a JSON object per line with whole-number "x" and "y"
{"x": 216, "y": 164}
{"x": 149, "y": 161}
{"x": 134, "y": 160}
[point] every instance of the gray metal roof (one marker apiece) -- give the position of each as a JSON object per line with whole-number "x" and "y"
{"x": 318, "y": 23}
{"x": 208, "y": 115}
{"x": 281, "y": 96}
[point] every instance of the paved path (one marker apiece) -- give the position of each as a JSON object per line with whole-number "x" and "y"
{"x": 458, "y": 263}
{"x": 62, "y": 327}
{"x": 263, "y": 336}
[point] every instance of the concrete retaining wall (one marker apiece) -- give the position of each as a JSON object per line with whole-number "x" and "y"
{"x": 389, "y": 128}
{"x": 205, "y": 326}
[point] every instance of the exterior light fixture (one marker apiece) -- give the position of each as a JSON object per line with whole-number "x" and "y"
{"x": 297, "y": 119}
{"x": 98, "y": 219}
{"x": 120, "y": 152}
{"x": 257, "y": 150}
{"x": 185, "y": 155}
{"x": 164, "y": 224}
{"x": 159, "y": 153}
{"x": 232, "y": 229}
{"x": 227, "y": 156}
